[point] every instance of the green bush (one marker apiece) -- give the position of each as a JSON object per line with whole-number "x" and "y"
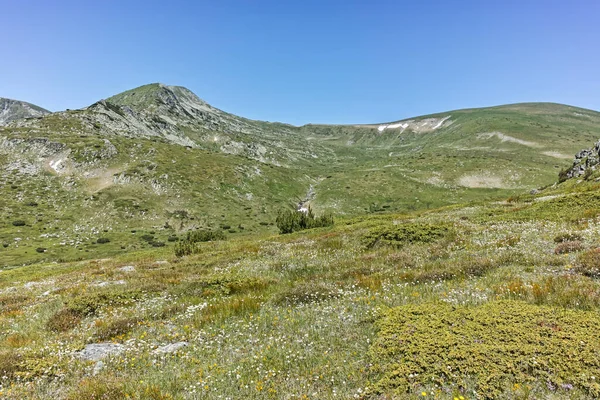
{"x": 146, "y": 237}
{"x": 184, "y": 248}
{"x": 289, "y": 221}
{"x": 486, "y": 348}
{"x": 403, "y": 234}
{"x": 568, "y": 237}
{"x": 102, "y": 240}
{"x": 589, "y": 263}
{"x": 86, "y": 305}
{"x": 19, "y": 222}
{"x": 204, "y": 236}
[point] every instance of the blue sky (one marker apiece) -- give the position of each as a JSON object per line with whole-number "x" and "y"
{"x": 306, "y": 61}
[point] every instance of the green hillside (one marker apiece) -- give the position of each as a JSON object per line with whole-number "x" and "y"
{"x": 487, "y": 300}
{"x": 159, "y": 161}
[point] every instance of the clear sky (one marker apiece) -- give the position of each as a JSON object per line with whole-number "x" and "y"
{"x": 305, "y": 61}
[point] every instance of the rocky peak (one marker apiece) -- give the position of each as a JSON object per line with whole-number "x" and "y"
{"x": 11, "y": 110}
{"x": 171, "y": 101}
{"x": 585, "y": 160}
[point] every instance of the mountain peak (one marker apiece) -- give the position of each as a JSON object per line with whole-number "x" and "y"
{"x": 162, "y": 99}
{"x": 11, "y": 110}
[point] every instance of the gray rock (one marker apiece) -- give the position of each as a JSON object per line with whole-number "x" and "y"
{"x": 98, "y": 351}
{"x": 98, "y": 367}
{"x": 171, "y": 348}
{"x": 585, "y": 160}
{"x": 127, "y": 268}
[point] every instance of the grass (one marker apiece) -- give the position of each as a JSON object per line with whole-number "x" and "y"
{"x": 318, "y": 313}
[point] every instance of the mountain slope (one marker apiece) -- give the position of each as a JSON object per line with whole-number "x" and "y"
{"x": 11, "y": 110}
{"x": 159, "y": 159}
{"x": 492, "y": 300}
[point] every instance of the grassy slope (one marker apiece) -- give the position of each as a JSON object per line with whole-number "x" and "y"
{"x": 356, "y": 171}
{"x": 320, "y": 314}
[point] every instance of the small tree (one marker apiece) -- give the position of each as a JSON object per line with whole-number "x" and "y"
{"x": 289, "y": 221}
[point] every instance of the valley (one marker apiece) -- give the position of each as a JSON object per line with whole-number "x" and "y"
{"x": 159, "y": 161}
{"x": 141, "y": 254}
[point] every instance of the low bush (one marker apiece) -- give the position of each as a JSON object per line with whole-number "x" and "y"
{"x": 403, "y": 234}
{"x": 19, "y": 222}
{"x": 568, "y": 247}
{"x": 97, "y": 388}
{"x": 303, "y": 293}
{"x": 113, "y": 329}
{"x": 568, "y": 237}
{"x": 63, "y": 320}
{"x": 487, "y": 348}
{"x": 103, "y": 240}
{"x": 147, "y": 238}
{"x": 86, "y": 305}
{"x": 204, "y": 236}
{"x": 188, "y": 245}
{"x": 588, "y": 263}
{"x": 10, "y": 363}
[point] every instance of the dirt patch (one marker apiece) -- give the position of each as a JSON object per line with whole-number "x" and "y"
{"x": 482, "y": 181}
{"x": 101, "y": 179}
{"x": 556, "y": 154}
{"x": 506, "y": 138}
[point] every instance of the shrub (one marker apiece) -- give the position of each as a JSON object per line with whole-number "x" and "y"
{"x": 204, "y": 236}
{"x": 303, "y": 293}
{"x": 568, "y": 247}
{"x": 400, "y": 235}
{"x": 9, "y": 363}
{"x": 41, "y": 249}
{"x": 184, "y": 248}
{"x": 63, "y": 320}
{"x": 487, "y": 348}
{"x": 562, "y": 175}
{"x": 18, "y": 222}
{"x": 172, "y": 239}
{"x": 589, "y": 263}
{"x": 98, "y": 389}
{"x": 146, "y": 237}
{"x": 289, "y": 221}
{"x": 156, "y": 243}
{"x": 83, "y": 306}
{"x": 110, "y": 330}
{"x": 568, "y": 237}
{"x": 102, "y": 240}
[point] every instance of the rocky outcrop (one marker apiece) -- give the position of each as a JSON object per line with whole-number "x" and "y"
{"x": 585, "y": 160}
{"x": 11, "y": 110}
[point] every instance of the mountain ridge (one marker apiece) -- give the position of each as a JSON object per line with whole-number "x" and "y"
{"x": 11, "y": 110}
{"x": 157, "y": 158}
